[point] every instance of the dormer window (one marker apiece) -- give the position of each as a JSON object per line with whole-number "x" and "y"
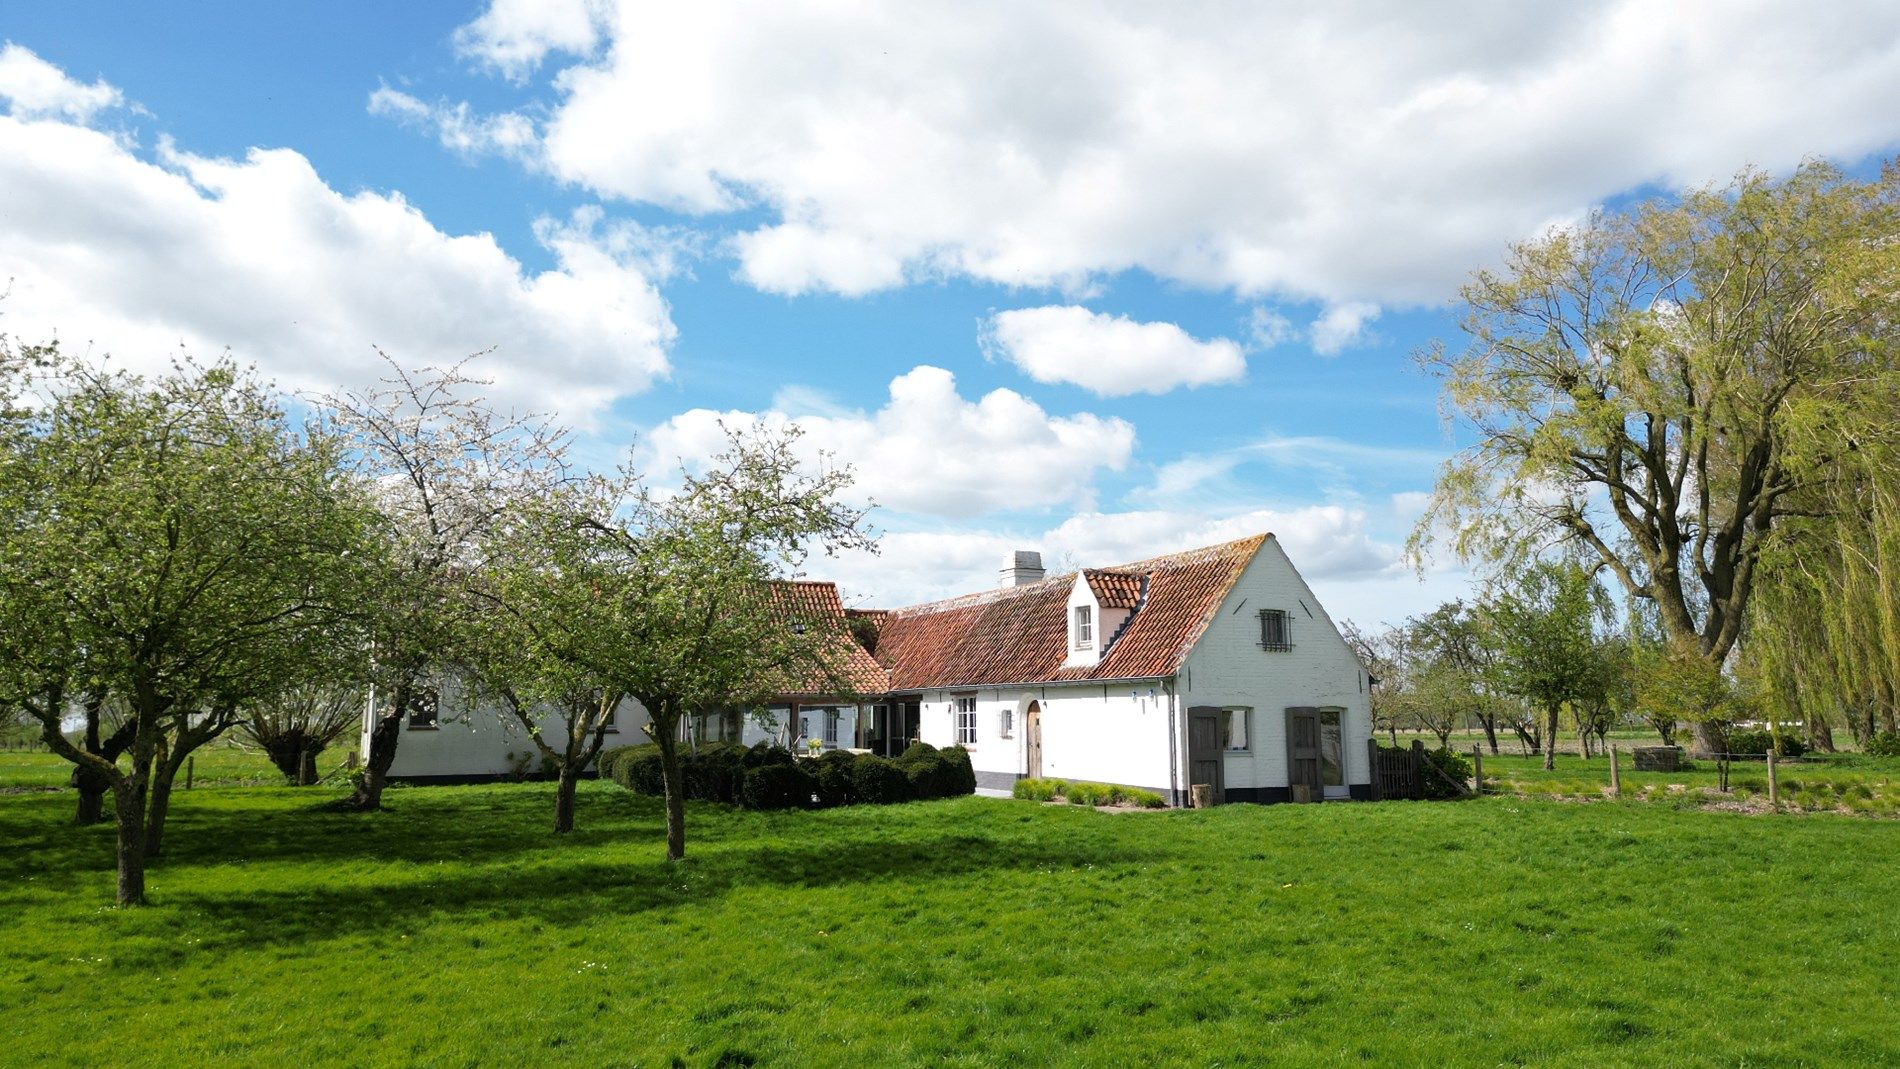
{"x": 1084, "y": 627}
{"x": 798, "y": 627}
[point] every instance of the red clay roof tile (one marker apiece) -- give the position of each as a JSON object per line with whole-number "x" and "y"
{"x": 1020, "y": 634}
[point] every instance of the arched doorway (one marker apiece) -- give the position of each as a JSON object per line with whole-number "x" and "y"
{"x": 1032, "y": 739}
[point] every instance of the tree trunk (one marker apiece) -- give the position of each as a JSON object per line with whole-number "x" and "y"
{"x": 163, "y": 775}
{"x": 1707, "y": 740}
{"x": 1550, "y": 738}
{"x": 382, "y": 754}
{"x": 667, "y": 737}
{"x": 307, "y": 768}
{"x": 1490, "y": 732}
{"x": 1820, "y": 733}
{"x": 129, "y": 804}
{"x": 564, "y": 801}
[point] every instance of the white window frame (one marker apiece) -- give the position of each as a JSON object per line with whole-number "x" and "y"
{"x": 1084, "y": 617}
{"x": 833, "y": 718}
{"x": 963, "y": 719}
{"x": 1227, "y": 716}
{"x": 1005, "y": 722}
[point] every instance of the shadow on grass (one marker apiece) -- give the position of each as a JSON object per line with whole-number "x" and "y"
{"x": 277, "y": 868}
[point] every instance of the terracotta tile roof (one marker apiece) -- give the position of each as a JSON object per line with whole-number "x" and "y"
{"x": 816, "y": 605}
{"x": 1114, "y": 590}
{"x": 1020, "y": 634}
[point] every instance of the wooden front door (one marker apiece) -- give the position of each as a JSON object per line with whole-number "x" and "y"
{"x": 1303, "y": 751}
{"x": 1205, "y": 746}
{"x": 1032, "y": 740}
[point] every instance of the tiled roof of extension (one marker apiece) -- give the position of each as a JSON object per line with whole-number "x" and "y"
{"x": 1020, "y": 635}
{"x": 817, "y": 605}
{"x": 1114, "y": 590}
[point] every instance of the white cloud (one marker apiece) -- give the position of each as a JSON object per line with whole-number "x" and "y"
{"x": 1268, "y": 329}
{"x": 1363, "y": 151}
{"x": 931, "y": 451}
{"x": 1109, "y": 355}
{"x": 457, "y": 126}
{"x": 133, "y": 257}
{"x": 35, "y": 88}
{"x": 513, "y": 36}
{"x": 1342, "y": 326}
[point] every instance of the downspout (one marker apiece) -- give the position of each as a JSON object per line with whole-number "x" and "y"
{"x": 1174, "y": 776}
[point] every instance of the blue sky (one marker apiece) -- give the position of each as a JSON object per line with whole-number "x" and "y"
{"x": 1137, "y": 280}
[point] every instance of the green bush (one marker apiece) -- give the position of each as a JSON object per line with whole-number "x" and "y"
{"x": 925, "y": 774}
{"x": 767, "y": 753}
{"x": 916, "y": 749}
{"x": 1454, "y": 769}
{"x": 778, "y": 786}
{"x": 1144, "y": 799}
{"x": 1087, "y": 793}
{"x": 1036, "y": 790}
{"x": 833, "y": 773}
{"x": 878, "y": 781}
{"x": 1884, "y": 744}
{"x": 1756, "y": 743}
{"x": 959, "y": 776}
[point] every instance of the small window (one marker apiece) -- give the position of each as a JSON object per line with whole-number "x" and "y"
{"x": 1005, "y": 722}
{"x": 965, "y": 711}
{"x": 1084, "y": 627}
{"x": 425, "y": 705}
{"x": 1233, "y": 728}
{"x": 1276, "y": 631}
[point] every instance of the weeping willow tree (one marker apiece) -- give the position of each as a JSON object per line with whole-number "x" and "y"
{"x": 1664, "y": 389}
{"x": 1825, "y": 627}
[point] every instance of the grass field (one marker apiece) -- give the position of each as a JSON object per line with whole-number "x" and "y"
{"x": 217, "y": 765}
{"x": 453, "y": 930}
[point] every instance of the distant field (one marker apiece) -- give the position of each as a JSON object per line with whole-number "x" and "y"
{"x": 215, "y": 765}
{"x": 454, "y": 930}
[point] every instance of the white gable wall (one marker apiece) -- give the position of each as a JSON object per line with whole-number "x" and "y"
{"x": 1228, "y": 668}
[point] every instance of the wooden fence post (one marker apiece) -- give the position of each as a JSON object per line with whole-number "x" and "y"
{"x": 1774, "y": 790}
{"x": 1372, "y": 762}
{"x": 189, "y": 761}
{"x": 1616, "y": 775}
{"x": 1477, "y": 769}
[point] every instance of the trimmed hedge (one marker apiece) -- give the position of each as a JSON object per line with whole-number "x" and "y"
{"x": 765, "y": 776}
{"x": 1756, "y": 743}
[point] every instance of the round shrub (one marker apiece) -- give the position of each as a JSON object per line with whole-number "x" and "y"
{"x": 768, "y": 753}
{"x": 959, "y": 777}
{"x": 833, "y": 774}
{"x": 1454, "y": 770}
{"x": 1884, "y": 744}
{"x": 777, "y": 786}
{"x": 878, "y": 781}
{"x": 715, "y": 773}
{"x": 925, "y": 772}
{"x": 916, "y": 749}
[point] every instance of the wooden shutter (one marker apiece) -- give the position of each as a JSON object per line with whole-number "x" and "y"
{"x": 1205, "y": 749}
{"x": 1302, "y": 749}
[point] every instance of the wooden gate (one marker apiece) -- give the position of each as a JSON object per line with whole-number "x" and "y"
{"x": 1396, "y": 772}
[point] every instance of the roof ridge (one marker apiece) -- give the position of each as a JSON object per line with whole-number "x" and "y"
{"x": 986, "y": 597}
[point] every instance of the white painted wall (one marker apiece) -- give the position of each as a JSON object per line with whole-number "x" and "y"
{"x": 1104, "y": 733}
{"x": 1228, "y": 668}
{"x": 475, "y": 738}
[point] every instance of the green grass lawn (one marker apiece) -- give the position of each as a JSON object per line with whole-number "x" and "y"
{"x": 453, "y": 930}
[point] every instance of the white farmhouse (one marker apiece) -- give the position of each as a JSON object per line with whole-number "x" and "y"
{"x": 1213, "y": 666}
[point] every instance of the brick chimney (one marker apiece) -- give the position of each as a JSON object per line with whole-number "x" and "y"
{"x": 1020, "y": 567}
